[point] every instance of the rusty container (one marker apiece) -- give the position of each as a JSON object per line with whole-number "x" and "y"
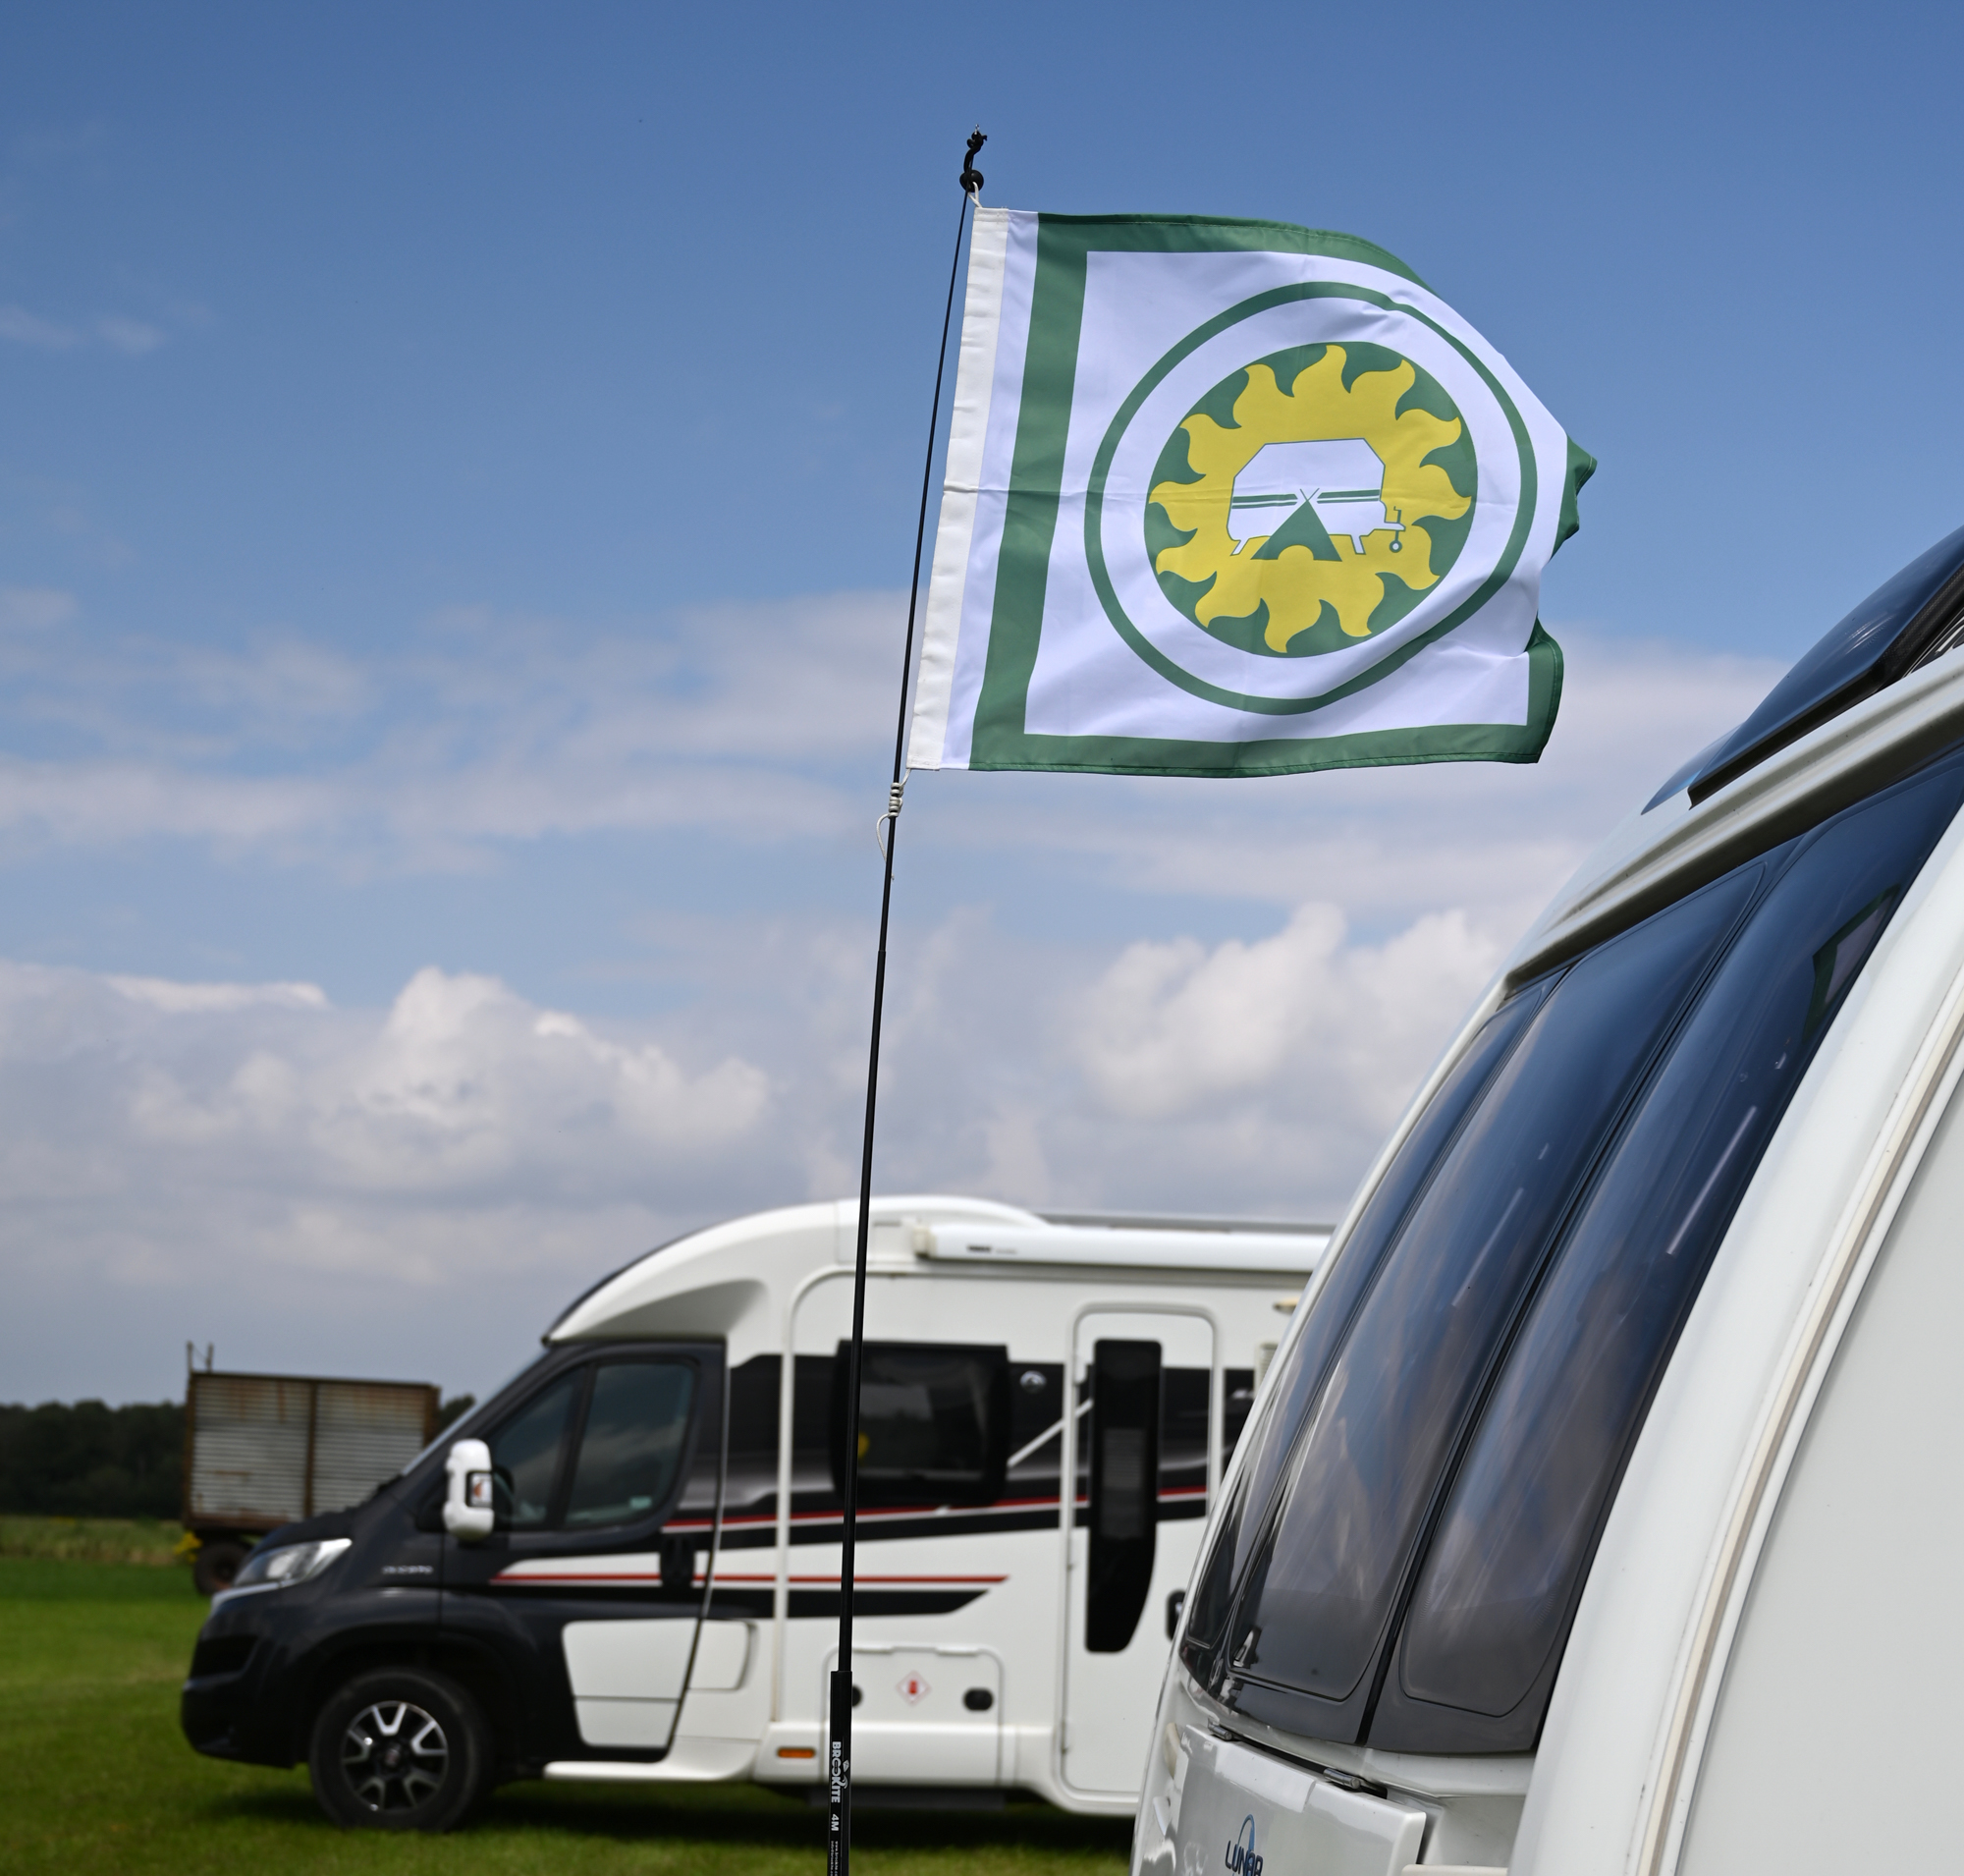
{"x": 261, "y": 1450}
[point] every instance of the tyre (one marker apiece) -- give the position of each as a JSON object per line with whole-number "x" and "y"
{"x": 401, "y": 1749}
{"x": 214, "y": 1564}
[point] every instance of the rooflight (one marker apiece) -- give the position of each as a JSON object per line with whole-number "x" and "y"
{"x": 1906, "y": 622}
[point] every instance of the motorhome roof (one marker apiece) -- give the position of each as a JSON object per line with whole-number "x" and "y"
{"x": 926, "y": 1228}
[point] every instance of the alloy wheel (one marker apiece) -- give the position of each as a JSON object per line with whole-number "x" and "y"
{"x": 395, "y": 1756}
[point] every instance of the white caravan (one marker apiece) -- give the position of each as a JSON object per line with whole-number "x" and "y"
{"x": 1601, "y": 1513}
{"x": 625, "y": 1565}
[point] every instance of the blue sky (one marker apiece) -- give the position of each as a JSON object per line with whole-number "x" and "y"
{"x": 457, "y": 472}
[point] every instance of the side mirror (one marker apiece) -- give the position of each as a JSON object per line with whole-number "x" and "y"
{"x": 468, "y": 1508}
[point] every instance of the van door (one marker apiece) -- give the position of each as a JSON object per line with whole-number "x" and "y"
{"x": 1140, "y": 1508}
{"x": 589, "y": 1590}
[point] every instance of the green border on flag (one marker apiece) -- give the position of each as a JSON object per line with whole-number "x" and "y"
{"x": 1029, "y": 526}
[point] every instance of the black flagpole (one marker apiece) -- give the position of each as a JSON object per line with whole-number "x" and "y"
{"x": 839, "y": 1768}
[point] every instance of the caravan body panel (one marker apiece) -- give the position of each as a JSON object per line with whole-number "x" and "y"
{"x": 1761, "y": 1621}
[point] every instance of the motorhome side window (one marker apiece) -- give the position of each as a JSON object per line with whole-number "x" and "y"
{"x": 1407, "y": 1548}
{"x": 934, "y": 1422}
{"x": 600, "y": 1445}
{"x": 631, "y": 1449}
{"x": 525, "y": 1456}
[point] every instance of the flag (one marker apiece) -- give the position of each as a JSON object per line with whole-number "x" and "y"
{"x": 1232, "y": 498}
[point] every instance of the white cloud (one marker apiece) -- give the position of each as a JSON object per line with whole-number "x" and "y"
{"x": 765, "y": 724}
{"x": 130, "y": 337}
{"x": 34, "y": 608}
{"x": 462, "y": 1090}
{"x": 25, "y": 328}
{"x": 250, "y": 1161}
{"x": 479, "y": 733}
{"x": 1103, "y": 993}
{"x": 184, "y": 999}
{"x": 1303, "y": 1019}
{"x": 191, "y": 1126}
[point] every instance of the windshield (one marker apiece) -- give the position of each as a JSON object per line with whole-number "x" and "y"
{"x": 1552, "y": 1230}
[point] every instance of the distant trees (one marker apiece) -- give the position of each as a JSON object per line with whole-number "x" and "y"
{"x": 85, "y": 1459}
{"x": 448, "y": 1412}
{"x": 91, "y": 1461}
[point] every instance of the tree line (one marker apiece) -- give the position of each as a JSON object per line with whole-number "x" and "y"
{"x": 84, "y": 1458}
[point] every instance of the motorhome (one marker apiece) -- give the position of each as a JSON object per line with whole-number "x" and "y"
{"x": 625, "y": 1565}
{"x": 1601, "y": 1511}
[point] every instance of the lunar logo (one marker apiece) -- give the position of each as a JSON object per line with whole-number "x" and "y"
{"x": 1242, "y": 1857}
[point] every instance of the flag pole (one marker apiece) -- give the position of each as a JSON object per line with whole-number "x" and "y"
{"x": 839, "y": 1767}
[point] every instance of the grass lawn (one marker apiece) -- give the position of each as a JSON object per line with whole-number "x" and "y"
{"x": 94, "y": 1776}
{"x": 93, "y": 1540}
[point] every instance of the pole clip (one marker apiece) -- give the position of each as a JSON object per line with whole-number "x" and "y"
{"x": 971, "y": 177}
{"x": 894, "y": 801}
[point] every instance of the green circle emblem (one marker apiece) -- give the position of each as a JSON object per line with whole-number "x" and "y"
{"x": 1311, "y": 499}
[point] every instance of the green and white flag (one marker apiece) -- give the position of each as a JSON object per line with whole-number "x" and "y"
{"x": 1232, "y": 498}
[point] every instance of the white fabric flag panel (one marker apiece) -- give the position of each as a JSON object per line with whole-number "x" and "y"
{"x": 1231, "y": 497}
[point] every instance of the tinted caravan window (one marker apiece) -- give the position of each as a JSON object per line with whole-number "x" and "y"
{"x": 1296, "y": 1381}
{"x": 1125, "y": 1490}
{"x": 1506, "y": 1566}
{"x": 934, "y": 1422}
{"x": 1488, "y": 1366}
{"x": 1326, "y": 1575}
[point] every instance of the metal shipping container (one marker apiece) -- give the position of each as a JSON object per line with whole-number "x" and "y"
{"x": 261, "y": 1450}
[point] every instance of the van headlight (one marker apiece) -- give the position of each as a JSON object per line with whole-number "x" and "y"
{"x": 288, "y": 1564}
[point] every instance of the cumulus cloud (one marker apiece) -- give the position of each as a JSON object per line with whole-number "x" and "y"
{"x": 461, "y": 1091}
{"x": 1182, "y": 996}
{"x": 1303, "y": 1018}
{"x": 193, "y": 1158}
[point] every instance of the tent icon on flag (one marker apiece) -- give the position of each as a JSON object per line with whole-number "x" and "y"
{"x": 1301, "y": 494}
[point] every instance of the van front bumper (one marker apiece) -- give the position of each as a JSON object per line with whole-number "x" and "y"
{"x": 224, "y": 1710}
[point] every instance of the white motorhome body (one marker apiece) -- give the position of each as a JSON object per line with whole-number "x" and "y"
{"x": 645, "y": 1584}
{"x": 1638, "y": 1343}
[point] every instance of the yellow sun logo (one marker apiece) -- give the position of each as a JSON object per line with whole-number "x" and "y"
{"x": 1311, "y": 499}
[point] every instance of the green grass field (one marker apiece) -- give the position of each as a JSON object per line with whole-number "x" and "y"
{"x": 92, "y": 1540}
{"x": 94, "y": 1776}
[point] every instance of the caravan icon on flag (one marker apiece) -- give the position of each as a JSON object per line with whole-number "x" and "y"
{"x": 1342, "y": 481}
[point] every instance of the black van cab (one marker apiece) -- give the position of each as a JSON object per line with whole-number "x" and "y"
{"x": 413, "y": 1671}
